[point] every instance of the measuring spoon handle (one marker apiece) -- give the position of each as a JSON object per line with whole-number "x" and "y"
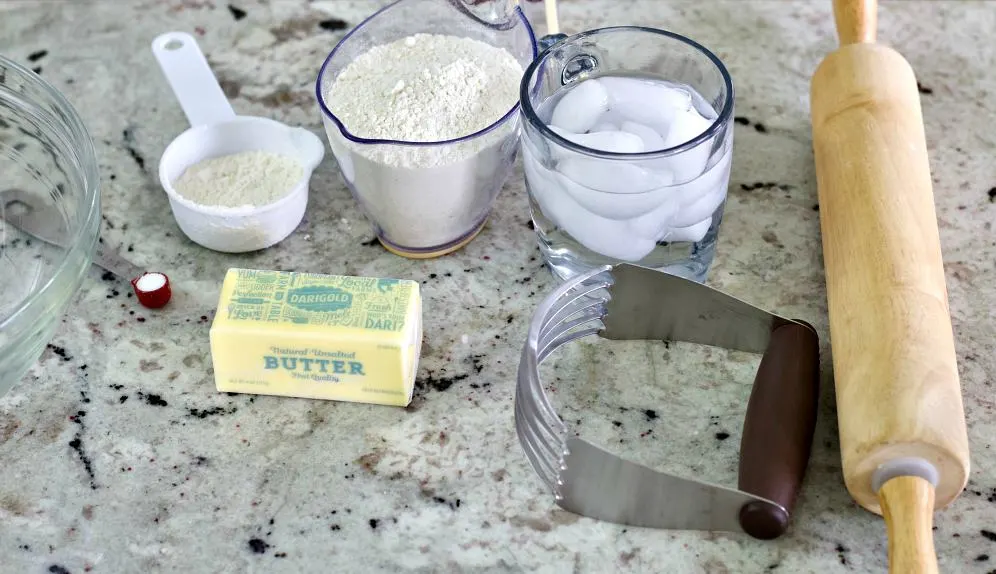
{"x": 188, "y": 73}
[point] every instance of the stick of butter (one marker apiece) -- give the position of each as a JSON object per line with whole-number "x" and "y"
{"x": 317, "y": 336}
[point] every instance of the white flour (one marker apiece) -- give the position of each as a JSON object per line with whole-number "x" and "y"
{"x": 426, "y": 88}
{"x": 251, "y": 178}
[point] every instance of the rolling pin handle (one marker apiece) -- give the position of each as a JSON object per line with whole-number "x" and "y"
{"x": 778, "y": 428}
{"x": 856, "y": 21}
{"x": 908, "y": 508}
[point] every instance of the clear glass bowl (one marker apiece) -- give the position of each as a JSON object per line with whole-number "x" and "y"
{"x": 390, "y": 179}
{"x": 48, "y": 171}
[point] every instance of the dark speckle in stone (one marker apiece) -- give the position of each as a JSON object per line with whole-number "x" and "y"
{"x": 122, "y": 398}
{"x": 77, "y": 445}
{"x": 205, "y": 413}
{"x": 816, "y": 207}
{"x": 60, "y": 351}
{"x": 154, "y": 400}
{"x": 770, "y": 238}
{"x": 924, "y": 89}
{"x": 129, "y": 144}
{"x": 373, "y": 523}
{"x": 37, "y": 70}
{"x": 722, "y": 435}
{"x": 439, "y": 384}
{"x": 333, "y": 24}
{"x": 237, "y": 13}
{"x": 761, "y": 129}
{"x": 35, "y": 56}
{"x": 992, "y": 195}
{"x": 650, "y": 414}
{"x": 257, "y": 546}
{"x": 617, "y": 423}
{"x": 742, "y": 120}
{"x": 762, "y": 185}
{"x": 989, "y": 535}
{"x": 56, "y": 569}
{"x": 108, "y": 276}
{"x": 841, "y": 551}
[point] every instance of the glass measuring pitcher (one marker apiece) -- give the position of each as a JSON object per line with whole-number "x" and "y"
{"x": 427, "y": 198}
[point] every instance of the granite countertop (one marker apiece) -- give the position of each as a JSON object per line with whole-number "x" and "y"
{"x": 117, "y": 454}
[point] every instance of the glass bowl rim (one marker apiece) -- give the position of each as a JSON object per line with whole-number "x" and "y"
{"x": 722, "y": 118}
{"x": 372, "y": 141}
{"x": 86, "y": 158}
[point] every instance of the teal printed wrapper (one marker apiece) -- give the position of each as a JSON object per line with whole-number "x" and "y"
{"x": 313, "y": 299}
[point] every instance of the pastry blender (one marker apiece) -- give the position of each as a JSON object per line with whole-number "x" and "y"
{"x": 628, "y": 302}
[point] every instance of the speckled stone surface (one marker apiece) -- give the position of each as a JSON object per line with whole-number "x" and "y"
{"x": 117, "y": 454}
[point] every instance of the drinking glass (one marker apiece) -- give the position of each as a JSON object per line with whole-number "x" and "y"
{"x": 660, "y": 208}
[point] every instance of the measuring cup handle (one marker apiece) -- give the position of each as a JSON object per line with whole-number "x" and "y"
{"x": 778, "y": 428}
{"x": 190, "y": 76}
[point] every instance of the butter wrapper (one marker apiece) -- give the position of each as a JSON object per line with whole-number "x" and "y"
{"x": 317, "y": 336}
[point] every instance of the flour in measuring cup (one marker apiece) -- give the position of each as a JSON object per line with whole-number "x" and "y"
{"x": 426, "y": 88}
{"x": 251, "y": 178}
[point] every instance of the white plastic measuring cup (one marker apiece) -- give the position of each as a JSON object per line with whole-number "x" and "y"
{"x": 216, "y": 131}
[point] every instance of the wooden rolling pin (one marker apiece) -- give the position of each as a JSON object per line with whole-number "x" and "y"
{"x": 904, "y": 445}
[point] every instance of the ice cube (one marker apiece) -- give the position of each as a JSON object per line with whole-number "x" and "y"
{"x": 612, "y": 141}
{"x": 611, "y": 176}
{"x": 611, "y": 205}
{"x": 579, "y": 109}
{"x": 699, "y": 198}
{"x": 544, "y": 188}
{"x": 611, "y": 118}
{"x": 701, "y": 209}
{"x": 607, "y": 237}
{"x": 651, "y": 139}
{"x": 691, "y": 233}
{"x": 687, "y": 125}
{"x": 647, "y": 102}
{"x": 613, "y": 242}
{"x": 716, "y": 176}
{"x": 655, "y": 224}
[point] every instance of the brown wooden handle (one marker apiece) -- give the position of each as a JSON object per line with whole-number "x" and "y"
{"x": 778, "y": 428}
{"x": 856, "y": 21}
{"x": 908, "y": 508}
